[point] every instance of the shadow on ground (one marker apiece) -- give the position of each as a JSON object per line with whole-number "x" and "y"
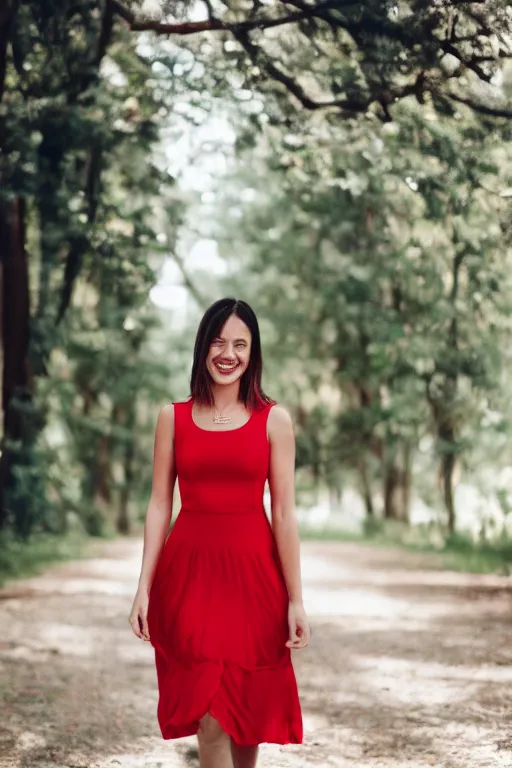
{"x": 407, "y": 667}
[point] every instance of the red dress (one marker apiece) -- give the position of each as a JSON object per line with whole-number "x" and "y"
{"x": 218, "y": 603}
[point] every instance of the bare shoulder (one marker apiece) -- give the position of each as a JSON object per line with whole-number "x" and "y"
{"x": 167, "y": 413}
{"x": 165, "y": 421}
{"x": 279, "y": 421}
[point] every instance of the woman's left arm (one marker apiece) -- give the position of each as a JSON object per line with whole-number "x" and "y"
{"x": 284, "y": 522}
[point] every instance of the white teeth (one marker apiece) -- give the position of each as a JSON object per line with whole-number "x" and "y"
{"x": 226, "y": 367}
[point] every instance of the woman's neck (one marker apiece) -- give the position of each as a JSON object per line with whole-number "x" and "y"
{"x": 225, "y": 396}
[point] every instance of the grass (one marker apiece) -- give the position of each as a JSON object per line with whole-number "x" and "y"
{"x": 20, "y": 559}
{"x": 456, "y": 552}
{"x": 460, "y": 553}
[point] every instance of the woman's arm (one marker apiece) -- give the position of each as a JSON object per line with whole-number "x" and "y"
{"x": 159, "y": 512}
{"x": 284, "y": 521}
{"x": 158, "y": 515}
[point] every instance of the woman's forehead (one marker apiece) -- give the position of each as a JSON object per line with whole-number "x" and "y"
{"x": 234, "y": 327}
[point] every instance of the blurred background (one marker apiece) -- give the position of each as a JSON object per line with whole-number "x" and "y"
{"x": 345, "y": 168}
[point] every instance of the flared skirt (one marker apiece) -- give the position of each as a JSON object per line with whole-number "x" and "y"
{"x": 218, "y": 622}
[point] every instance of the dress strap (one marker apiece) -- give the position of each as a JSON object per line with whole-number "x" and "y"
{"x": 262, "y": 416}
{"x": 182, "y": 410}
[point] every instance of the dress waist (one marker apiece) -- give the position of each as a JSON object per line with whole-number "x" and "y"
{"x": 245, "y": 528}
{"x": 219, "y": 510}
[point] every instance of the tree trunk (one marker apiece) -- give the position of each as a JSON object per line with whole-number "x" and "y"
{"x": 6, "y": 17}
{"x": 123, "y": 518}
{"x": 52, "y": 226}
{"x": 392, "y": 495}
{"x": 406, "y": 481}
{"x": 445, "y": 422}
{"x": 397, "y": 485}
{"x": 366, "y": 488}
{"x": 447, "y": 471}
{"x": 128, "y": 417}
{"x": 103, "y": 490}
{"x": 446, "y": 435}
{"x": 16, "y": 382}
{"x": 17, "y": 439}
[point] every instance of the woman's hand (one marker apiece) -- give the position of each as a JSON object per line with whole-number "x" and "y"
{"x": 299, "y": 626}
{"x": 139, "y": 614}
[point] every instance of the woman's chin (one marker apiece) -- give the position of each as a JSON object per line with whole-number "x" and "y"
{"x": 223, "y": 380}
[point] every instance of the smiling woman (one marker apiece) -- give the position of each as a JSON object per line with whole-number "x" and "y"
{"x": 229, "y": 356}
{"x": 227, "y": 353}
{"x": 221, "y": 598}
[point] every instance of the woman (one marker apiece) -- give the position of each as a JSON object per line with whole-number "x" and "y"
{"x": 221, "y": 599}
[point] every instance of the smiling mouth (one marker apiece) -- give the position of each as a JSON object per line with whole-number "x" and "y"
{"x": 223, "y": 368}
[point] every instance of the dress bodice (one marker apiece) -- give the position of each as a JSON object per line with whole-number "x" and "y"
{"x": 221, "y": 471}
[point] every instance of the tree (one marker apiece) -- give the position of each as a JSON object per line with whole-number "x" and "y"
{"x": 383, "y": 264}
{"x": 357, "y": 56}
{"x": 77, "y": 159}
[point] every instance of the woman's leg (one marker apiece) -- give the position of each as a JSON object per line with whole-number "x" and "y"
{"x": 243, "y": 757}
{"x": 214, "y": 744}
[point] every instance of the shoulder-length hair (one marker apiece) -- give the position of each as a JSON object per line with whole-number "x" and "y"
{"x": 251, "y": 392}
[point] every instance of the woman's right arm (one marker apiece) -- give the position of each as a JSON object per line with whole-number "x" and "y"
{"x": 158, "y": 515}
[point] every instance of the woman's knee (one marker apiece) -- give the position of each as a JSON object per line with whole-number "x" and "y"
{"x": 209, "y": 730}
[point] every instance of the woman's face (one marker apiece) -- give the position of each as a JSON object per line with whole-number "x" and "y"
{"x": 229, "y": 352}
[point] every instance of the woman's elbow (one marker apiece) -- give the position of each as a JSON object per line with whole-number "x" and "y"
{"x": 283, "y": 515}
{"x": 160, "y": 505}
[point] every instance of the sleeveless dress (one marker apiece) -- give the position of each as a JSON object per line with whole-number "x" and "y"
{"x": 218, "y": 604}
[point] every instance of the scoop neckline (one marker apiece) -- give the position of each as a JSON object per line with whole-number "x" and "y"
{"x": 216, "y": 431}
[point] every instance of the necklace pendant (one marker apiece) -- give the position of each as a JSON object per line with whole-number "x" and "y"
{"x": 222, "y": 419}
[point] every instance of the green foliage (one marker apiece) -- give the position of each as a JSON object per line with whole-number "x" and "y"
{"x": 20, "y": 558}
{"x": 384, "y": 268}
{"x": 456, "y": 552}
{"x": 83, "y": 116}
{"x": 369, "y": 231}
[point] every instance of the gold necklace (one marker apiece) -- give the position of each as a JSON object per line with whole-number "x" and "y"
{"x": 221, "y": 419}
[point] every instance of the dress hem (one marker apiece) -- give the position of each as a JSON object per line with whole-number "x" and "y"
{"x": 182, "y": 730}
{"x": 193, "y": 729}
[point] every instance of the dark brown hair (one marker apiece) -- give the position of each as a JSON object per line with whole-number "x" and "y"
{"x": 251, "y": 393}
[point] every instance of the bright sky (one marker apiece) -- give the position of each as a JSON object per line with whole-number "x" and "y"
{"x": 194, "y": 160}
{"x": 169, "y": 293}
{"x": 196, "y": 155}
{"x": 197, "y": 158}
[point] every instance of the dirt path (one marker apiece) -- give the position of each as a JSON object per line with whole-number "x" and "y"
{"x": 409, "y": 667}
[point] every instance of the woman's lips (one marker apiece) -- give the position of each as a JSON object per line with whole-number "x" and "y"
{"x": 225, "y": 370}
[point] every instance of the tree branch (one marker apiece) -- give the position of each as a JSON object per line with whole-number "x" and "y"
{"x": 471, "y": 63}
{"x": 483, "y": 109}
{"x": 385, "y": 98}
{"x": 211, "y": 24}
{"x": 358, "y": 28}
{"x": 257, "y": 57}
{"x": 187, "y": 280}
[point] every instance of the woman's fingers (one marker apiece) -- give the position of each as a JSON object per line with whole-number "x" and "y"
{"x": 139, "y": 624}
{"x": 145, "y": 628}
{"x": 295, "y": 640}
{"x": 299, "y": 635}
{"x": 292, "y": 627}
{"x": 306, "y": 634}
{"x": 139, "y": 616}
{"x": 295, "y": 644}
{"x": 134, "y": 622}
{"x": 298, "y": 626}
